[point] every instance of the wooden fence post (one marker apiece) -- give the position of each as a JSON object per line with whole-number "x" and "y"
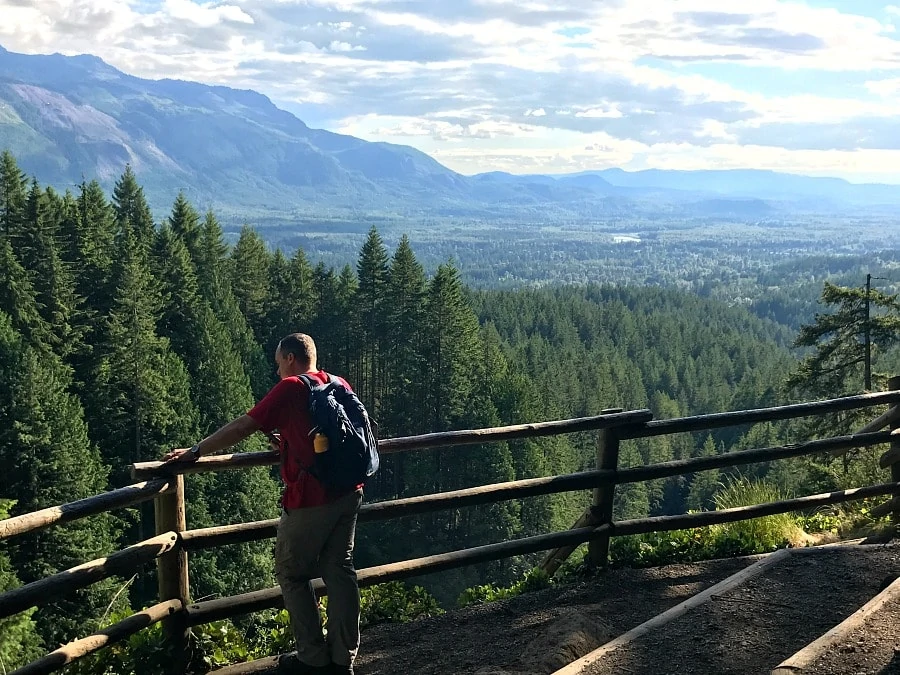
{"x": 894, "y": 383}
{"x": 172, "y": 573}
{"x": 607, "y": 459}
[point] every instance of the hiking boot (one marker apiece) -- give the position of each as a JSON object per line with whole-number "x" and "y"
{"x": 338, "y": 669}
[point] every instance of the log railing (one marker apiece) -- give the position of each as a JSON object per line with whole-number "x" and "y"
{"x": 165, "y": 485}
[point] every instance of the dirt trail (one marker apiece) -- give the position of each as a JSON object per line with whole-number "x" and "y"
{"x": 755, "y": 626}
{"x": 749, "y": 629}
{"x": 537, "y": 632}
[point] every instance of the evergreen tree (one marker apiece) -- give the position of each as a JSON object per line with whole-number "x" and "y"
{"x": 13, "y": 184}
{"x": 404, "y": 349}
{"x": 835, "y": 368}
{"x": 92, "y": 233}
{"x": 19, "y": 641}
{"x": 222, "y": 392}
{"x": 404, "y": 359}
{"x": 703, "y": 485}
{"x": 335, "y": 325}
{"x": 214, "y": 281}
{"x": 372, "y": 276}
{"x": 451, "y": 340}
{"x": 142, "y": 405}
{"x": 18, "y": 300}
{"x": 39, "y": 251}
{"x": 48, "y": 460}
{"x": 249, "y": 266}
{"x": 291, "y": 303}
{"x": 132, "y": 212}
{"x": 344, "y": 336}
{"x": 185, "y": 223}
{"x": 181, "y": 304}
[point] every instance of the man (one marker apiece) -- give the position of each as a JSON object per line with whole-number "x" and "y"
{"x": 317, "y": 529}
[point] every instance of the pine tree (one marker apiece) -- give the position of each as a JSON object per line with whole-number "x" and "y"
{"x": 344, "y": 337}
{"x": 836, "y": 366}
{"x": 220, "y": 387}
{"x": 704, "y": 484}
{"x": 214, "y": 281}
{"x": 405, "y": 362}
{"x": 39, "y": 251}
{"x": 185, "y": 223}
{"x": 19, "y": 301}
{"x": 291, "y": 303}
{"x": 132, "y": 211}
{"x": 181, "y": 304}
{"x": 48, "y": 460}
{"x": 372, "y": 275}
{"x": 141, "y": 398}
{"x": 13, "y": 185}
{"x": 222, "y": 392}
{"x": 404, "y": 350}
{"x": 334, "y": 326}
{"x": 249, "y": 266}
{"x": 212, "y": 260}
{"x": 19, "y": 641}
{"x": 451, "y": 341}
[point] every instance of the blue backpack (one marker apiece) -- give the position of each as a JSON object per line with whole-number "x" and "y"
{"x": 352, "y": 454}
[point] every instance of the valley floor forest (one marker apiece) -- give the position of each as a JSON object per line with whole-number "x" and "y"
{"x": 122, "y": 337}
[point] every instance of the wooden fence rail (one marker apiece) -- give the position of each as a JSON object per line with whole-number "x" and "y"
{"x": 121, "y": 563}
{"x": 143, "y": 470}
{"x": 164, "y": 484}
{"x": 103, "y": 638}
{"x": 727, "y": 419}
{"x": 211, "y": 537}
{"x": 89, "y": 506}
{"x": 222, "y": 608}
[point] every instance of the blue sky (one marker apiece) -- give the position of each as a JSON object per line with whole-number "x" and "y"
{"x": 541, "y": 86}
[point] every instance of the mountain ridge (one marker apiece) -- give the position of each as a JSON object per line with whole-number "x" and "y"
{"x": 70, "y": 118}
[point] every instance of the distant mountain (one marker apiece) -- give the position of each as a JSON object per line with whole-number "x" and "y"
{"x": 751, "y": 183}
{"x": 72, "y": 118}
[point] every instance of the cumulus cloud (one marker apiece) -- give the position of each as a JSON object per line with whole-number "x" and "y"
{"x": 538, "y": 85}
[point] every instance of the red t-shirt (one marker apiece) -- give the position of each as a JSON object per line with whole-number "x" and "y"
{"x": 285, "y": 408}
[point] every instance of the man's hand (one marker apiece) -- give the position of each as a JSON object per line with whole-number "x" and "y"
{"x": 180, "y": 455}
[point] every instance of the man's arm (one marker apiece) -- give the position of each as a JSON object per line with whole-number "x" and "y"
{"x": 224, "y": 437}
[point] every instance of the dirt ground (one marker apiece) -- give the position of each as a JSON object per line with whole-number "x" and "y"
{"x": 747, "y": 630}
{"x": 870, "y": 650}
{"x": 754, "y": 627}
{"x": 750, "y": 629}
{"x": 536, "y": 632}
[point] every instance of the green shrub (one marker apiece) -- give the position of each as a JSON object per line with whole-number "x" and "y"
{"x": 757, "y": 534}
{"x": 534, "y": 580}
{"x": 395, "y": 602}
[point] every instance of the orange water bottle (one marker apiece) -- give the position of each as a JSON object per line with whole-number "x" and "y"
{"x": 320, "y": 442}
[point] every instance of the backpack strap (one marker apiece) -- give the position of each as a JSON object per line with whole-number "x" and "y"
{"x": 312, "y": 382}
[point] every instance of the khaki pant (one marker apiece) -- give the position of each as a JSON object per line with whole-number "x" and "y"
{"x": 312, "y": 542}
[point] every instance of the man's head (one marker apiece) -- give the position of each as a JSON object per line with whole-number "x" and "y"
{"x": 295, "y": 355}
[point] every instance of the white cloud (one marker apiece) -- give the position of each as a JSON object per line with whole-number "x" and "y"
{"x": 472, "y": 81}
{"x": 610, "y": 113}
{"x": 885, "y": 88}
{"x": 204, "y": 15}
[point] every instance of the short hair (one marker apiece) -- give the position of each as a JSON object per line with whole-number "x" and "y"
{"x": 300, "y": 345}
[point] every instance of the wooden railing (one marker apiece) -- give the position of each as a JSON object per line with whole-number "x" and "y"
{"x": 165, "y": 485}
